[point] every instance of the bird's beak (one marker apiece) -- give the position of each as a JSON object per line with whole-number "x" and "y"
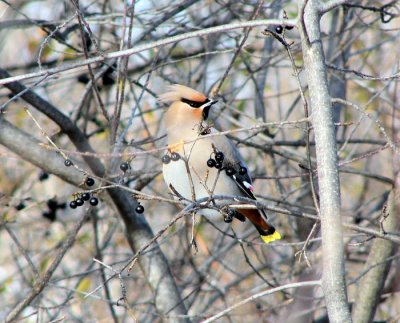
{"x": 206, "y": 108}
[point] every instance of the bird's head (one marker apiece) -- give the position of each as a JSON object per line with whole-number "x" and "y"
{"x": 187, "y": 106}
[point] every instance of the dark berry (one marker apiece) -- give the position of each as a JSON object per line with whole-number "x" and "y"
{"x": 218, "y": 165}
{"x": 219, "y": 157}
{"x": 51, "y": 216}
{"x": 79, "y": 201}
{"x": 89, "y": 181}
{"x": 124, "y": 167}
{"x": 139, "y": 209}
{"x": 43, "y": 176}
{"x": 68, "y": 162}
{"x": 94, "y": 201}
{"x": 289, "y": 27}
{"x": 166, "y": 159}
{"x": 211, "y": 163}
{"x": 85, "y": 196}
{"x": 230, "y": 171}
{"x": 175, "y": 156}
{"x": 279, "y": 29}
{"x": 243, "y": 171}
{"x": 73, "y": 205}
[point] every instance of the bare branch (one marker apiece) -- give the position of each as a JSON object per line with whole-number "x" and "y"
{"x": 261, "y": 294}
{"x": 330, "y": 5}
{"x": 140, "y": 48}
{"x": 42, "y": 283}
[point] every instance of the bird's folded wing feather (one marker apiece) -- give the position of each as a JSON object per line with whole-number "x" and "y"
{"x": 244, "y": 183}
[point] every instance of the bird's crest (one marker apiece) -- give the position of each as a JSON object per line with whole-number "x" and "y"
{"x": 178, "y": 92}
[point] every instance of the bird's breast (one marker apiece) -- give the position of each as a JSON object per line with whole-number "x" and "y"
{"x": 196, "y": 180}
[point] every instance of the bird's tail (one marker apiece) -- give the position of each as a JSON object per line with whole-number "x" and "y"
{"x": 267, "y": 231}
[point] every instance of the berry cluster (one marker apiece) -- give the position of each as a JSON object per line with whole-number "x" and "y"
{"x": 81, "y": 198}
{"x": 168, "y": 157}
{"x": 216, "y": 161}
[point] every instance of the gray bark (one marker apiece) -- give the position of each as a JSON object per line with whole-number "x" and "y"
{"x": 333, "y": 276}
{"x": 377, "y": 267}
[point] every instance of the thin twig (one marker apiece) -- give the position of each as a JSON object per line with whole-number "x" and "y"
{"x": 42, "y": 283}
{"x": 237, "y": 52}
{"x": 261, "y": 294}
{"x": 146, "y": 46}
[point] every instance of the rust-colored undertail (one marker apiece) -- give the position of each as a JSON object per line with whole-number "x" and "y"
{"x": 267, "y": 232}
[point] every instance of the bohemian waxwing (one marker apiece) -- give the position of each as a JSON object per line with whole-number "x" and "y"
{"x": 214, "y": 165}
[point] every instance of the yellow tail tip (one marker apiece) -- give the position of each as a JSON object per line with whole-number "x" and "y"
{"x": 272, "y": 237}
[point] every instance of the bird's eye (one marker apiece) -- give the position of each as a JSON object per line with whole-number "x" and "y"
{"x": 192, "y": 104}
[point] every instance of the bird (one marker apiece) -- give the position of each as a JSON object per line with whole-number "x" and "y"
{"x": 200, "y": 163}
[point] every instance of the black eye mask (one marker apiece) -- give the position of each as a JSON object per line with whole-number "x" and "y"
{"x": 194, "y": 104}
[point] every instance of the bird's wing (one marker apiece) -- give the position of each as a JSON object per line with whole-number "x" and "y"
{"x": 244, "y": 183}
{"x": 233, "y": 159}
{"x": 243, "y": 180}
